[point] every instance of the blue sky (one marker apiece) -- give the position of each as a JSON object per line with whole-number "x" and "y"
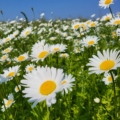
{"x": 60, "y": 8}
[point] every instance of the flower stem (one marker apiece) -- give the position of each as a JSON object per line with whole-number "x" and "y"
{"x": 111, "y": 12}
{"x": 115, "y": 98}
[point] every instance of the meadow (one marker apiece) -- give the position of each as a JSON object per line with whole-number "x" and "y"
{"x": 60, "y": 69}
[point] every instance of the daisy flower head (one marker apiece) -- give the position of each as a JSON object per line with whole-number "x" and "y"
{"x": 40, "y": 53}
{"x": 22, "y": 57}
{"x": 7, "y": 50}
{"x": 89, "y": 41}
{"x": 27, "y": 31}
{"x": 108, "y": 78}
{"x": 93, "y": 24}
{"x": 8, "y": 102}
{"x": 42, "y": 84}
{"x": 38, "y": 44}
{"x": 57, "y": 48}
{"x": 67, "y": 83}
{"x": 17, "y": 88}
{"x": 4, "y": 58}
{"x": 10, "y": 72}
{"x": 29, "y": 68}
{"x": 76, "y": 25}
{"x": 8, "y": 38}
{"x": 15, "y": 33}
{"x": 115, "y": 21}
{"x": 64, "y": 55}
{"x": 106, "y": 17}
{"x": 109, "y": 60}
{"x": 105, "y": 3}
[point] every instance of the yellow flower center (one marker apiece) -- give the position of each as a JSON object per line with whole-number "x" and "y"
{"x": 107, "y": 65}
{"x": 21, "y": 58}
{"x": 17, "y": 88}
{"x": 56, "y": 49}
{"x": 43, "y": 54}
{"x": 117, "y": 22}
{"x": 63, "y": 82}
{"x": 4, "y": 57}
{"x": 107, "y": 2}
{"x": 9, "y": 102}
{"x": 7, "y": 50}
{"x": 47, "y": 87}
{"x": 11, "y": 74}
{"x": 107, "y": 18}
{"x": 91, "y": 42}
{"x": 30, "y": 68}
{"x": 110, "y": 79}
{"x": 76, "y": 26}
{"x": 93, "y": 24}
{"x": 7, "y": 39}
{"x": 27, "y": 32}
{"x": 64, "y": 55}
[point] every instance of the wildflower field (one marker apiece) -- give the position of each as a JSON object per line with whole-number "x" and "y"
{"x": 61, "y": 69}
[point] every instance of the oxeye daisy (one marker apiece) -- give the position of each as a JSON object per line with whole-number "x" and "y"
{"x": 109, "y": 60}
{"x": 8, "y": 103}
{"x": 38, "y": 44}
{"x": 22, "y": 57}
{"x": 26, "y": 32}
{"x": 29, "y": 68}
{"x": 108, "y": 78}
{"x": 10, "y": 72}
{"x": 93, "y": 24}
{"x": 115, "y": 21}
{"x": 17, "y": 88}
{"x": 106, "y": 17}
{"x": 42, "y": 84}
{"x": 7, "y": 50}
{"x": 40, "y": 53}
{"x": 76, "y": 25}
{"x": 8, "y": 38}
{"x": 4, "y": 58}
{"x": 64, "y": 55}
{"x": 105, "y": 3}
{"x": 57, "y": 48}
{"x": 89, "y": 41}
{"x": 67, "y": 83}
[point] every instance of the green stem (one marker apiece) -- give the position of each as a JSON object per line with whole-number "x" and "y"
{"x": 111, "y": 12}
{"x": 115, "y": 98}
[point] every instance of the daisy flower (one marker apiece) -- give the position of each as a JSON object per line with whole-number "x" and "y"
{"x": 76, "y": 25}
{"x": 29, "y": 68}
{"x": 7, "y": 50}
{"x": 109, "y": 60}
{"x": 38, "y": 44}
{"x": 15, "y": 33}
{"x": 115, "y": 21}
{"x": 89, "y": 41}
{"x": 42, "y": 84}
{"x": 106, "y": 17}
{"x": 8, "y": 102}
{"x": 93, "y": 24}
{"x": 67, "y": 83}
{"x": 17, "y": 88}
{"x": 64, "y": 55}
{"x": 57, "y": 48}
{"x": 40, "y": 53}
{"x": 8, "y": 38}
{"x": 108, "y": 78}
{"x": 4, "y": 58}
{"x": 10, "y": 72}
{"x": 26, "y": 32}
{"x": 22, "y": 57}
{"x": 105, "y": 3}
